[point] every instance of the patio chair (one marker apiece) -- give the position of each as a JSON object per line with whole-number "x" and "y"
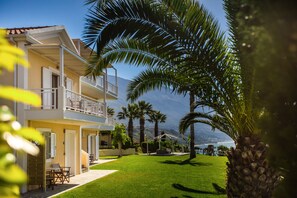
{"x": 50, "y": 179}
{"x": 61, "y": 174}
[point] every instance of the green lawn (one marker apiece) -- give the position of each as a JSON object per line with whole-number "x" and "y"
{"x": 157, "y": 176}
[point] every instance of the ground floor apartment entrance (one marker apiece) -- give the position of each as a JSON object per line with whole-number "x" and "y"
{"x": 70, "y": 154}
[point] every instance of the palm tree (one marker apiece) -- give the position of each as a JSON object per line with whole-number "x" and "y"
{"x": 144, "y": 108}
{"x": 180, "y": 36}
{"x": 174, "y": 81}
{"x": 110, "y": 111}
{"x": 129, "y": 112}
{"x": 156, "y": 117}
{"x": 233, "y": 100}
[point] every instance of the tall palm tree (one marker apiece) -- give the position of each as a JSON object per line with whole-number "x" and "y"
{"x": 181, "y": 36}
{"x": 143, "y": 109}
{"x": 175, "y": 81}
{"x": 156, "y": 117}
{"x": 235, "y": 111}
{"x": 129, "y": 112}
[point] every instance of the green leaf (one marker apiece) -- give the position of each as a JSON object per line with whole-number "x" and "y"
{"x": 20, "y": 95}
{"x": 5, "y": 114}
{"x": 31, "y": 134}
{"x": 13, "y": 175}
{"x": 9, "y": 191}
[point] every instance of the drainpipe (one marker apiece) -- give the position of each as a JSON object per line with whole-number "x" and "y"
{"x": 14, "y": 77}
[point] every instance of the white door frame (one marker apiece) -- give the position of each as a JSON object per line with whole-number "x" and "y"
{"x": 73, "y": 166}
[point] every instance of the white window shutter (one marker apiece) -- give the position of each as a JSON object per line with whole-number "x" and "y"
{"x": 46, "y": 84}
{"x": 53, "y": 145}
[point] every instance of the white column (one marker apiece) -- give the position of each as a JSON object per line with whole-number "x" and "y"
{"x": 61, "y": 67}
{"x": 116, "y": 80}
{"x": 97, "y": 146}
{"x": 105, "y": 90}
{"x": 80, "y": 149}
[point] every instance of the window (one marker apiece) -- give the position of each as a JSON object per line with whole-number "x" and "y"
{"x": 50, "y": 143}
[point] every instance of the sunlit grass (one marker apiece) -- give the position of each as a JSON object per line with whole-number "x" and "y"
{"x": 108, "y": 157}
{"x": 157, "y": 176}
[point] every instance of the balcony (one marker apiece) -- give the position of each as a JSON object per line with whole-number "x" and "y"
{"x": 62, "y": 105}
{"x": 95, "y": 87}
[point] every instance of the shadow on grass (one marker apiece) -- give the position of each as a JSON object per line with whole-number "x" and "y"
{"x": 185, "y": 162}
{"x": 219, "y": 190}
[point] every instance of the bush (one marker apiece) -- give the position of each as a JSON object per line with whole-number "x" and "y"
{"x": 222, "y": 150}
{"x": 152, "y": 147}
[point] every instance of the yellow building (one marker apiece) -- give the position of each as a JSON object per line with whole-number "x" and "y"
{"x": 73, "y": 110}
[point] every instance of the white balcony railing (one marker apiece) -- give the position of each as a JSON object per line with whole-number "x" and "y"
{"x": 112, "y": 88}
{"x": 49, "y": 97}
{"x": 84, "y": 104}
{"x": 111, "y": 121}
{"x": 99, "y": 82}
{"x": 72, "y": 101}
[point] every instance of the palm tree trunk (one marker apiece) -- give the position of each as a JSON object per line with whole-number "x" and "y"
{"x": 248, "y": 172}
{"x": 130, "y": 129}
{"x": 120, "y": 149}
{"x": 141, "y": 128}
{"x": 192, "y": 129}
{"x": 156, "y": 131}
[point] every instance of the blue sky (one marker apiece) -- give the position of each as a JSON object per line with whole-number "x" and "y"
{"x": 71, "y": 14}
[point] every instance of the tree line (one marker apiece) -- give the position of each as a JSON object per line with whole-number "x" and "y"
{"x": 141, "y": 110}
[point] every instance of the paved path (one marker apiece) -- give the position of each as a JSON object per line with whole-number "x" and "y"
{"x": 75, "y": 182}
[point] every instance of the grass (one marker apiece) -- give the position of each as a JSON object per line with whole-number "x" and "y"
{"x": 157, "y": 176}
{"x": 109, "y": 157}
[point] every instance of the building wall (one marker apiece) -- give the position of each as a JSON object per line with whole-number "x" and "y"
{"x": 58, "y": 129}
{"x": 35, "y": 71}
{"x": 75, "y": 78}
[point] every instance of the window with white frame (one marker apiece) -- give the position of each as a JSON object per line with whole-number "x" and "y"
{"x": 50, "y": 143}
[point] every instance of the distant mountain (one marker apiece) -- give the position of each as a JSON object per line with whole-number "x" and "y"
{"x": 174, "y": 106}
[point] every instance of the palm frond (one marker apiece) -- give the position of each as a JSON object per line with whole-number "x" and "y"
{"x": 149, "y": 80}
{"x": 214, "y": 121}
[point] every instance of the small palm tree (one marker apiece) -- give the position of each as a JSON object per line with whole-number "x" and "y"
{"x": 110, "y": 111}
{"x": 129, "y": 112}
{"x": 156, "y": 117}
{"x": 144, "y": 108}
{"x": 119, "y": 136}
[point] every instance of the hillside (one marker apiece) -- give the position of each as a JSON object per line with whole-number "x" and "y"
{"x": 174, "y": 106}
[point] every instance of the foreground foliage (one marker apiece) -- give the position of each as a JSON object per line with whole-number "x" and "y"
{"x": 13, "y": 137}
{"x": 158, "y": 176}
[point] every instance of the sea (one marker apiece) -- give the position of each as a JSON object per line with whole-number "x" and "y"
{"x": 228, "y": 144}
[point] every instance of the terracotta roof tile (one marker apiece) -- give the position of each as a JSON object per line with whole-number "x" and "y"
{"x": 22, "y": 30}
